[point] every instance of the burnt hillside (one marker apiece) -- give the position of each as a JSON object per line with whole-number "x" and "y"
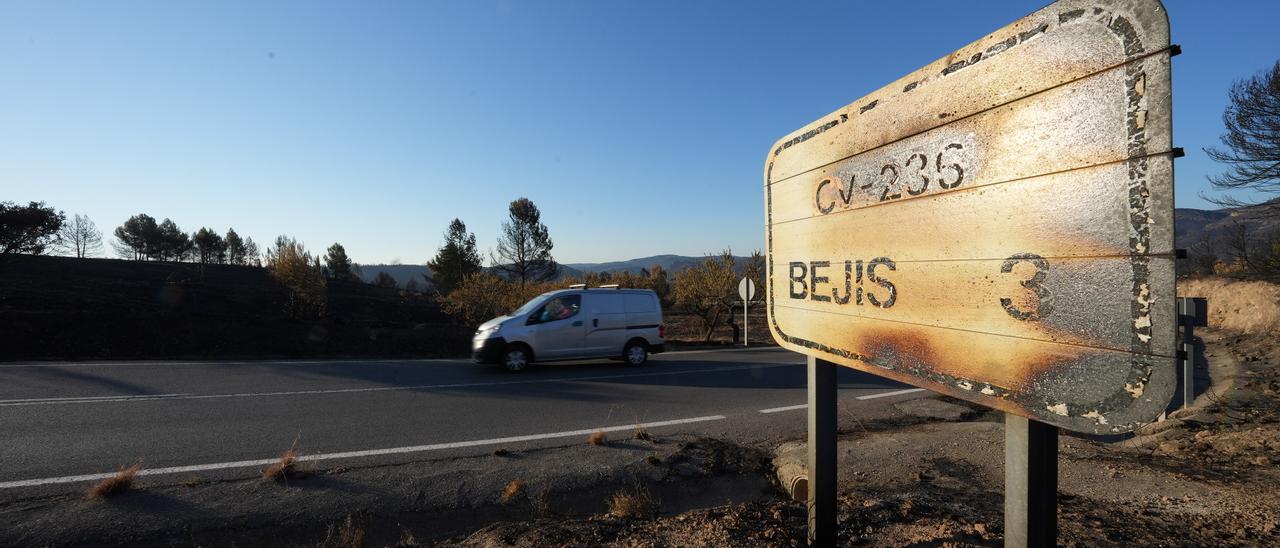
{"x": 60, "y": 307}
{"x": 1210, "y": 231}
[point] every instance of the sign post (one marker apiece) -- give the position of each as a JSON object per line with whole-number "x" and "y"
{"x": 996, "y": 226}
{"x": 822, "y": 452}
{"x": 1192, "y": 312}
{"x": 1030, "y": 482}
{"x": 746, "y": 290}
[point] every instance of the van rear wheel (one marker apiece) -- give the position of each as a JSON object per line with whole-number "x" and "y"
{"x": 636, "y": 353}
{"x": 516, "y": 358}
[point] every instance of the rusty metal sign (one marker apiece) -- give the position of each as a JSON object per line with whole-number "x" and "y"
{"x": 996, "y": 226}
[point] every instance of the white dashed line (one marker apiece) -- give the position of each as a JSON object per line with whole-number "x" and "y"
{"x": 78, "y": 399}
{"x": 866, "y": 397}
{"x": 787, "y": 408}
{"x": 887, "y": 394}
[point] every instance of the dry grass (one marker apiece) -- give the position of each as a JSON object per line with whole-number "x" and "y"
{"x": 598, "y": 438}
{"x": 1236, "y": 305}
{"x": 513, "y": 491}
{"x": 641, "y": 433}
{"x": 541, "y": 503}
{"x": 193, "y": 481}
{"x": 653, "y": 460}
{"x": 282, "y": 469}
{"x": 345, "y": 535}
{"x": 635, "y": 504}
{"x": 114, "y": 485}
{"x": 407, "y": 538}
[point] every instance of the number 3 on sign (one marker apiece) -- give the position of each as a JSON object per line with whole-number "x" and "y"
{"x": 1044, "y": 300}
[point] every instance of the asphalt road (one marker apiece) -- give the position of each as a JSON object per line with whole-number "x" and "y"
{"x": 63, "y": 423}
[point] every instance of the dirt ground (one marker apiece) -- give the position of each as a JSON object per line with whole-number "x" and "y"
{"x": 1205, "y": 477}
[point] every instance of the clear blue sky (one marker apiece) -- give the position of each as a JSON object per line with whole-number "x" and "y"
{"x": 638, "y": 128}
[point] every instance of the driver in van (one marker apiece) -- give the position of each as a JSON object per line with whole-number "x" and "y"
{"x": 556, "y": 310}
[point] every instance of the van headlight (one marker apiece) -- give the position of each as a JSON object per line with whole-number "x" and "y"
{"x": 485, "y": 332}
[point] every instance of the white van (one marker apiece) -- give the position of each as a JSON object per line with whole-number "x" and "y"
{"x": 572, "y": 324}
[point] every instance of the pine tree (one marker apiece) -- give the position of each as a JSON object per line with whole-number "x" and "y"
{"x": 338, "y": 263}
{"x": 80, "y": 237}
{"x": 136, "y": 238}
{"x": 456, "y": 259}
{"x": 209, "y": 246}
{"x": 524, "y": 246}
{"x": 172, "y": 243}
{"x": 237, "y": 253}
{"x": 1252, "y": 141}
{"x": 30, "y": 228}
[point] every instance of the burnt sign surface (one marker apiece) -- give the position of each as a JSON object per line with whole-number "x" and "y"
{"x": 996, "y": 226}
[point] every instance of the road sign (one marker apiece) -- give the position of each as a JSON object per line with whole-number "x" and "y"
{"x": 996, "y": 226}
{"x": 747, "y": 289}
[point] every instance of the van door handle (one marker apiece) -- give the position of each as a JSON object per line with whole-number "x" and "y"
{"x": 595, "y": 322}
{"x": 577, "y": 323}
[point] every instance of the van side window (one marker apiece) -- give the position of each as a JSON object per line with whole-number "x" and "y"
{"x": 558, "y": 308}
{"x": 641, "y": 303}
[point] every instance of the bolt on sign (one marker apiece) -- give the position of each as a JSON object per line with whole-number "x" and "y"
{"x": 996, "y": 226}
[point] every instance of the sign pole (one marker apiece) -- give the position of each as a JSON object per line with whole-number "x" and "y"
{"x": 822, "y": 452}
{"x": 1192, "y": 312}
{"x": 1188, "y": 365}
{"x": 744, "y": 323}
{"x": 1030, "y": 483}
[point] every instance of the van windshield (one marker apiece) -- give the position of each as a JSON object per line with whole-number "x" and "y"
{"x": 530, "y": 306}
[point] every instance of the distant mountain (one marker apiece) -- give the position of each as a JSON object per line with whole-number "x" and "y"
{"x": 669, "y": 263}
{"x": 564, "y": 272}
{"x": 1190, "y": 223}
{"x": 567, "y": 271}
{"x": 1202, "y": 231}
{"x": 401, "y": 272}
{"x": 404, "y": 272}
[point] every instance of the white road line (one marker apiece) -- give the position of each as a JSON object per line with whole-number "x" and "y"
{"x": 355, "y": 454}
{"x": 787, "y": 408}
{"x": 887, "y": 394}
{"x": 866, "y": 397}
{"x": 151, "y": 397}
{"x": 78, "y": 399}
{"x": 735, "y": 349}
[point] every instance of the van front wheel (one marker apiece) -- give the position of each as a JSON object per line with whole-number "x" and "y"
{"x": 636, "y": 353}
{"x": 516, "y": 358}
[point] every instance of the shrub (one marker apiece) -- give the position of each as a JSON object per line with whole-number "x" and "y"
{"x": 598, "y": 438}
{"x": 513, "y": 491}
{"x": 301, "y": 276}
{"x": 284, "y": 467}
{"x": 116, "y": 484}
{"x": 638, "y": 503}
